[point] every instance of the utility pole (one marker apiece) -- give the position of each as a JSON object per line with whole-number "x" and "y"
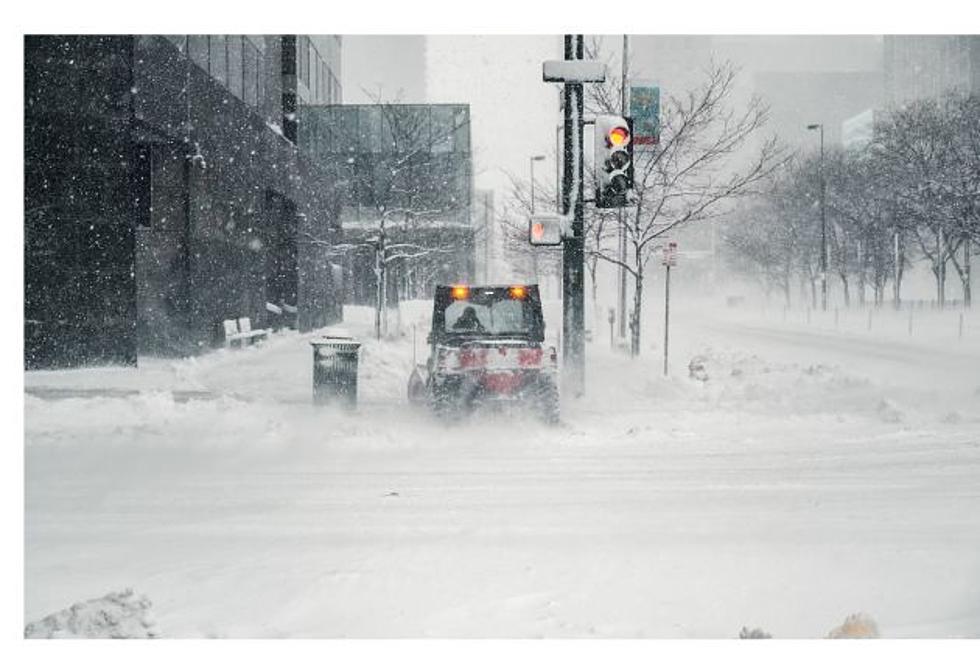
{"x": 622, "y": 215}
{"x": 573, "y": 71}
{"x": 488, "y": 227}
{"x": 573, "y": 251}
{"x": 558, "y": 191}
{"x": 670, "y": 260}
{"x": 666, "y": 317}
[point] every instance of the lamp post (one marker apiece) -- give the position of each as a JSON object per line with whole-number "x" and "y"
{"x": 823, "y": 221}
{"x": 539, "y": 157}
{"x": 534, "y": 253}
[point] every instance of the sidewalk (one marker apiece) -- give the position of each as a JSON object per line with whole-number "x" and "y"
{"x": 248, "y": 373}
{"x": 276, "y": 370}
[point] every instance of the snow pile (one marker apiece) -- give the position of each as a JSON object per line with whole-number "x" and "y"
{"x": 856, "y": 626}
{"x": 117, "y": 615}
{"x": 733, "y": 376}
{"x": 384, "y": 368}
{"x": 687, "y": 506}
{"x": 150, "y": 418}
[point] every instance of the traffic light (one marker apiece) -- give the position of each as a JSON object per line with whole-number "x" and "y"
{"x": 544, "y": 229}
{"x": 613, "y": 160}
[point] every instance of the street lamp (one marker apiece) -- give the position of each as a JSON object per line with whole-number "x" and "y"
{"x": 823, "y": 221}
{"x": 539, "y": 157}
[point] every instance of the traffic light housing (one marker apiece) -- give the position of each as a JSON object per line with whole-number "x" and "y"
{"x": 613, "y": 160}
{"x": 544, "y": 229}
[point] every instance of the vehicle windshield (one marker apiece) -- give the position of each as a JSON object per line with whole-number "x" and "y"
{"x": 488, "y": 315}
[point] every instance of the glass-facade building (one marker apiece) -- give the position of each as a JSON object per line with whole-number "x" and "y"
{"x": 165, "y": 192}
{"x": 411, "y": 165}
{"x": 359, "y": 141}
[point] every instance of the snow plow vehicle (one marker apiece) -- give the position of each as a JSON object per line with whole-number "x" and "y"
{"x": 487, "y": 348}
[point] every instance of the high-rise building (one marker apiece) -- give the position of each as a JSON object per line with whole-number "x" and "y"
{"x": 917, "y": 67}
{"x": 164, "y": 192}
{"x": 483, "y": 219}
{"x": 802, "y": 79}
{"x": 797, "y": 99}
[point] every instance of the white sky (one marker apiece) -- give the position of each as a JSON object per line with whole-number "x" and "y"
{"x": 513, "y": 112}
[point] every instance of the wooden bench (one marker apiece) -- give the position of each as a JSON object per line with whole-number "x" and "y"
{"x": 239, "y": 332}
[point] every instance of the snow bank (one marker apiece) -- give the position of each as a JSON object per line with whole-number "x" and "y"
{"x": 687, "y": 506}
{"x": 734, "y": 376}
{"x": 118, "y": 615}
{"x": 856, "y": 626}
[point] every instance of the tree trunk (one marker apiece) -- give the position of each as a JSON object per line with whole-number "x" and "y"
{"x": 635, "y": 315}
{"x": 384, "y": 298}
{"x": 967, "y": 292}
{"x": 847, "y": 289}
{"x": 940, "y": 269}
{"x": 596, "y": 318}
{"x": 898, "y": 273}
{"x": 785, "y": 283}
{"x": 862, "y": 273}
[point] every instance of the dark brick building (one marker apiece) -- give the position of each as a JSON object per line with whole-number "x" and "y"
{"x": 164, "y": 191}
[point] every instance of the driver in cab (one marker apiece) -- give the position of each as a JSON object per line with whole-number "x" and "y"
{"x": 468, "y": 321}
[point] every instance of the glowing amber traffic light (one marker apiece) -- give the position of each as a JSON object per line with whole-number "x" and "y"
{"x": 613, "y": 160}
{"x": 618, "y": 136}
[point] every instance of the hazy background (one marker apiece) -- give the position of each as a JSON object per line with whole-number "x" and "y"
{"x": 803, "y": 78}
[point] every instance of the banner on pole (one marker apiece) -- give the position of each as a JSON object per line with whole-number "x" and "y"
{"x": 645, "y": 112}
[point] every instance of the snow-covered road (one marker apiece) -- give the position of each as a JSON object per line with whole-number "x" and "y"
{"x": 789, "y": 490}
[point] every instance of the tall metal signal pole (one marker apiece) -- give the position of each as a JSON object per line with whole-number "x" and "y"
{"x": 573, "y": 250}
{"x": 573, "y": 71}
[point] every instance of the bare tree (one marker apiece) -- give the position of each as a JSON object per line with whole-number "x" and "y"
{"x": 915, "y": 153}
{"x": 404, "y": 185}
{"x": 536, "y": 262}
{"x": 915, "y": 186}
{"x": 691, "y": 175}
{"x": 528, "y": 261}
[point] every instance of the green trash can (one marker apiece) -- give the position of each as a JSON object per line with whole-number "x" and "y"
{"x": 335, "y": 361}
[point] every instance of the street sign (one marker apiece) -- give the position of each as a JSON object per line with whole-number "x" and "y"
{"x": 645, "y": 111}
{"x": 670, "y": 254}
{"x": 574, "y": 71}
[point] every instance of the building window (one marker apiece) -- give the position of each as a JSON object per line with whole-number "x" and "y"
{"x": 236, "y": 75}
{"x": 309, "y": 54}
{"x": 180, "y": 40}
{"x": 140, "y": 183}
{"x": 303, "y": 55}
{"x": 259, "y": 79}
{"x": 197, "y": 47}
{"x": 250, "y": 73}
{"x": 314, "y": 78}
{"x": 219, "y": 58}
